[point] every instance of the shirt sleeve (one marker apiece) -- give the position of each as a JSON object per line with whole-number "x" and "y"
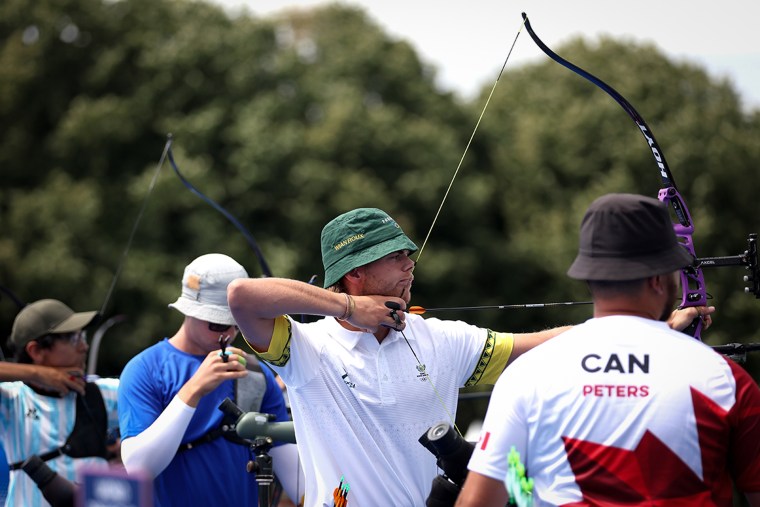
{"x": 504, "y": 427}
{"x": 278, "y": 352}
{"x": 745, "y": 441}
{"x": 138, "y": 400}
{"x": 493, "y": 359}
{"x": 294, "y": 352}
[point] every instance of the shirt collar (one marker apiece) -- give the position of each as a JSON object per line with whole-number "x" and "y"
{"x": 349, "y": 338}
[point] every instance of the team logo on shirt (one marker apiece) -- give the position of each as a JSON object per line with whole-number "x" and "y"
{"x": 594, "y": 363}
{"x": 347, "y": 380}
{"x": 32, "y": 414}
{"x": 423, "y": 376}
{"x": 610, "y": 365}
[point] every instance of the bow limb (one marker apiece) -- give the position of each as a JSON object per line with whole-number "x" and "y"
{"x": 692, "y": 278}
{"x": 240, "y": 227}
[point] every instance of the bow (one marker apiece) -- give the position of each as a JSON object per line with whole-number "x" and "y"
{"x": 167, "y": 154}
{"x": 248, "y": 236}
{"x": 692, "y": 278}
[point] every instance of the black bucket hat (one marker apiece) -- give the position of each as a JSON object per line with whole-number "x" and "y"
{"x": 627, "y": 237}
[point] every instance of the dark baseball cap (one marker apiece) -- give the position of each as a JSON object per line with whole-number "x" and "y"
{"x": 47, "y": 316}
{"x": 627, "y": 237}
{"x": 359, "y": 237}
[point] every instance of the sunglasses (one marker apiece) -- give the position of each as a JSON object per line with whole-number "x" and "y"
{"x": 219, "y": 328}
{"x": 73, "y": 338}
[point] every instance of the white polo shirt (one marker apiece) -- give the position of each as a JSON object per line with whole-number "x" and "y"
{"x": 360, "y": 406}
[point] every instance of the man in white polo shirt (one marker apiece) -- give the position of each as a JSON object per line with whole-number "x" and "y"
{"x": 363, "y": 385}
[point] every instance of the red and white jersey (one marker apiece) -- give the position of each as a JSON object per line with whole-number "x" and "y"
{"x": 625, "y": 411}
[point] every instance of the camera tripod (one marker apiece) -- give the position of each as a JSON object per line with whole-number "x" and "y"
{"x": 261, "y": 465}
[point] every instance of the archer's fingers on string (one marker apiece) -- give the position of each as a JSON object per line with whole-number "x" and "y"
{"x": 392, "y": 305}
{"x": 227, "y": 355}
{"x": 74, "y": 380}
{"x": 399, "y": 305}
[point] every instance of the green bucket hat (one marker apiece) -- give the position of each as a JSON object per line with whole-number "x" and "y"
{"x": 359, "y": 237}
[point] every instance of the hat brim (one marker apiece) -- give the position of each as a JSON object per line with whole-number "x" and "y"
{"x": 586, "y": 267}
{"x": 209, "y": 313}
{"x": 369, "y": 254}
{"x": 76, "y": 322}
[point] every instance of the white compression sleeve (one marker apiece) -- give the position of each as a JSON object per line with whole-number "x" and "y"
{"x": 152, "y": 450}
{"x": 287, "y": 468}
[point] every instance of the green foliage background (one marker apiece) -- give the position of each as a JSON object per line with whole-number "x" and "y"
{"x": 291, "y": 120}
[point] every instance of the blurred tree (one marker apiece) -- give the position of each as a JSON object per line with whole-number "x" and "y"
{"x": 290, "y": 120}
{"x": 283, "y": 121}
{"x": 555, "y": 148}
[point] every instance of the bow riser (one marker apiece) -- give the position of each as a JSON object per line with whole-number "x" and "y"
{"x": 692, "y": 279}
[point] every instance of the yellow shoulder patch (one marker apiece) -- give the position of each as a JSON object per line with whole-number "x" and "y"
{"x": 278, "y": 352}
{"x": 493, "y": 359}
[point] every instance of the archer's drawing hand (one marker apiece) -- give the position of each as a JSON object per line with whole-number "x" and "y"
{"x": 372, "y": 313}
{"x": 60, "y": 380}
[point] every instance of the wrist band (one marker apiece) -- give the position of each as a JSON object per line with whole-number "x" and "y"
{"x": 350, "y": 307}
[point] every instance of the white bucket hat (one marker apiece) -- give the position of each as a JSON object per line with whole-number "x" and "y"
{"x": 204, "y": 288}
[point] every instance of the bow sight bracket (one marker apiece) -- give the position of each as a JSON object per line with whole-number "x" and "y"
{"x": 748, "y": 259}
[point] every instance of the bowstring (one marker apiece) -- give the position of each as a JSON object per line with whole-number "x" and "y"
{"x": 469, "y": 142}
{"x": 443, "y": 201}
{"x": 136, "y": 223}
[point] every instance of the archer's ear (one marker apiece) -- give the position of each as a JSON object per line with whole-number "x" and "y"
{"x": 352, "y": 280}
{"x": 656, "y": 283}
{"x": 35, "y": 351}
{"x": 354, "y": 273}
{"x": 661, "y": 283}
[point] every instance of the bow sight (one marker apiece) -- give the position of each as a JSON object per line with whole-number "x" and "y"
{"x": 692, "y": 280}
{"x": 748, "y": 259}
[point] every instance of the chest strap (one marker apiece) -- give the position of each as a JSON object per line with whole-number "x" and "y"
{"x": 88, "y": 438}
{"x": 226, "y": 430}
{"x": 249, "y": 395}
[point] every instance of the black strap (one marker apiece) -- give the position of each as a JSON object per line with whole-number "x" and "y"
{"x": 208, "y": 437}
{"x": 44, "y": 457}
{"x": 247, "y": 391}
{"x": 225, "y": 430}
{"x": 88, "y": 438}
